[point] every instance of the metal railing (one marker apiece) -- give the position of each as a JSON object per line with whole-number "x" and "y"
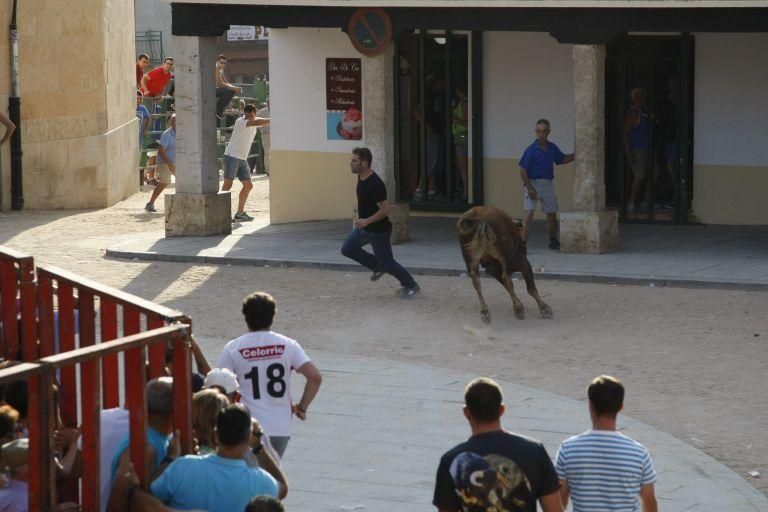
{"x": 61, "y": 320}
{"x": 40, "y": 376}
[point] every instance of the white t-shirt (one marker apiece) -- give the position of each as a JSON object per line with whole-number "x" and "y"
{"x": 114, "y": 428}
{"x": 263, "y": 362}
{"x": 239, "y": 145}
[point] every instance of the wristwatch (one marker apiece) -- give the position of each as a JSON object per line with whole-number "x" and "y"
{"x": 257, "y": 449}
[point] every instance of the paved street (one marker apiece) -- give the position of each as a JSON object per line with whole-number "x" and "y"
{"x": 379, "y": 426}
{"x": 373, "y": 439}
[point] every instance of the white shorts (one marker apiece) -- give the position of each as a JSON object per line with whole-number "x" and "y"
{"x": 545, "y": 192}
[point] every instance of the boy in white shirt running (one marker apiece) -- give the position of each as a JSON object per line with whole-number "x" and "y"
{"x": 263, "y": 361}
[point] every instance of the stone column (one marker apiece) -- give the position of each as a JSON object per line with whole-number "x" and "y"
{"x": 197, "y": 208}
{"x": 379, "y": 132}
{"x": 589, "y": 228}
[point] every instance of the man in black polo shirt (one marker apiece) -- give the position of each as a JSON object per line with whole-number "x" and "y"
{"x": 494, "y": 470}
{"x": 373, "y": 226}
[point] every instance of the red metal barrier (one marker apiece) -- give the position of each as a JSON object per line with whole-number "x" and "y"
{"x": 61, "y": 320}
{"x": 40, "y": 376}
{"x": 17, "y": 301}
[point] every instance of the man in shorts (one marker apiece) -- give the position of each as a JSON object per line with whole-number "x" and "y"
{"x": 538, "y": 174}
{"x": 166, "y": 162}
{"x": 235, "y": 161}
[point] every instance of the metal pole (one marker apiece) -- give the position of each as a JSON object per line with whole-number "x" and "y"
{"x": 14, "y": 111}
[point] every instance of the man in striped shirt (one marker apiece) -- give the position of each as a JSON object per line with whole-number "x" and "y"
{"x": 602, "y": 469}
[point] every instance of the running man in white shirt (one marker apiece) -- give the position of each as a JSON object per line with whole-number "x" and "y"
{"x": 263, "y": 361}
{"x": 235, "y": 161}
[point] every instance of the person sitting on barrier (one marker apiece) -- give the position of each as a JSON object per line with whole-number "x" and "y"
{"x": 161, "y": 449}
{"x": 206, "y": 405}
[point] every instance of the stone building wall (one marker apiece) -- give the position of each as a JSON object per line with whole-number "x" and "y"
{"x": 78, "y": 126}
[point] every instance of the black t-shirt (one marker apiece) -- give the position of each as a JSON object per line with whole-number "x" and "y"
{"x": 495, "y": 471}
{"x": 370, "y": 191}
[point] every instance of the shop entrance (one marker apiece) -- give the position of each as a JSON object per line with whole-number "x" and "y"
{"x": 649, "y": 128}
{"x": 438, "y": 130}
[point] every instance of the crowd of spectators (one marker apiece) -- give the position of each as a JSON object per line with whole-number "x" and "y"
{"x": 235, "y": 464}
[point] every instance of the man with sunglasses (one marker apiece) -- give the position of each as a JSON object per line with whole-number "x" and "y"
{"x": 225, "y": 91}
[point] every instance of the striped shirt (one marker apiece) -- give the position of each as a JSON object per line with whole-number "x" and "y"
{"x": 605, "y": 471}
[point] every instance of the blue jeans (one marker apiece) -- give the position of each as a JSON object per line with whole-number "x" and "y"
{"x": 381, "y": 260}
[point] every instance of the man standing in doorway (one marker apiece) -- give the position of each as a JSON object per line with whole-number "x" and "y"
{"x": 235, "y": 161}
{"x": 603, "y": 469}
{"x": 166, "y": 162}
{"x": 225, "y": 91}
{"x": 637, "y": 144}
{"x": 494, "y": 469}
{"x": 373, "y": 226}
{"x": 538, "y": 173}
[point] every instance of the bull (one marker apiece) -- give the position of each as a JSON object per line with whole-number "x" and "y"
{"x": 490, "y": 238}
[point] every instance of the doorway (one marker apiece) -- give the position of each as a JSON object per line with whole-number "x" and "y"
{"x": 437, "y": 140}
{"x": 649, "y": 128}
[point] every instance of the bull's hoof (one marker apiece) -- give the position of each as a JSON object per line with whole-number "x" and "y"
{"x": 485, "y": 316}
{"x": 519, "y": 313}
{"x": 546, "y": 311}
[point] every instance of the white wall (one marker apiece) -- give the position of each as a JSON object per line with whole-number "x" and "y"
{"x": 731, "y": 105}
{"x": 297, "y": 87}
{"x": 527, "y": 76}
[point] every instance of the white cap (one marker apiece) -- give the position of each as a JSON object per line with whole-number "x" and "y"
{"x": 222, "y": 377}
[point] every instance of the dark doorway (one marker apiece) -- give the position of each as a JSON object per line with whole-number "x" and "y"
{"x": 437, "y": 117}
{"x": 649, "y": 128}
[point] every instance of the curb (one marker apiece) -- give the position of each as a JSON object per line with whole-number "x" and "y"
{"x": 648, "y": 281}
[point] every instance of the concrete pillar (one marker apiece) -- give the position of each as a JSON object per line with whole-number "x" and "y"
{"x": 589, "y": 228}
{"x": 197, "y": 208}
{"x": 379, "y": 129}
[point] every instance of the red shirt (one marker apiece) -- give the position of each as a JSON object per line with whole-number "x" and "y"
{"x": 139, "y": 75}
{"x": 158, "y": 79}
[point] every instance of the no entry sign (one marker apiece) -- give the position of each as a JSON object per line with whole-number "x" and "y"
{"x": 370, "y": 31}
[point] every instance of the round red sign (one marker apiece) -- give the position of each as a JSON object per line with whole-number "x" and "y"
{"x": 370, "y": 30}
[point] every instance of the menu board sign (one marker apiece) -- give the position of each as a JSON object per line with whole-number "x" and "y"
{"x": 344, "y": 99}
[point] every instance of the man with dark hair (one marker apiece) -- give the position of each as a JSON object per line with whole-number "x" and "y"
{"x": 264, "y": 504}
{"x": 494, "y": 469}
{"x": 222, "y": 480}
{"x": 154, "y": 83}
{"x": 603, "y": 469}
{"x": 225, "y": 91}
{"x": 373, "y": 226}
{"x": 235, "y": 162}
{"x": 142, "y": 61}
{"x": 263, "y": 361}
{"x": 537, "y": 171}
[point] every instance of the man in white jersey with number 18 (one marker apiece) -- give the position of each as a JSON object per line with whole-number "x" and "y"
{"x": 263, "y": 361}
